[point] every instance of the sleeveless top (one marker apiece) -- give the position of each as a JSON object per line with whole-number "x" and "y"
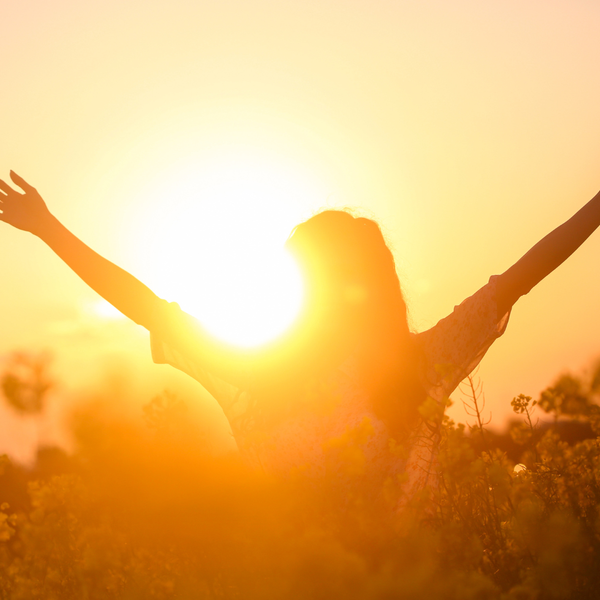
{"x": 333, "y": 432}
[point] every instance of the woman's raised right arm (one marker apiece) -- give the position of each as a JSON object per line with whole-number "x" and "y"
{"x": 28, "y": 211}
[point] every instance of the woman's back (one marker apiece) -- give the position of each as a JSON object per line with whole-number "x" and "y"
{"x": 330, "y": 431}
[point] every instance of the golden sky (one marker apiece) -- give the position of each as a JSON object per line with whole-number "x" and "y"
{"x": 166, "y": 134}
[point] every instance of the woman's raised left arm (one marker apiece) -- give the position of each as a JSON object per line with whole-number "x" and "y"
{"x": 546, "y": 255}
{"x": 27, "y": 211}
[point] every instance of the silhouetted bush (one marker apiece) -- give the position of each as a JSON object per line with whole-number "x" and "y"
{"x": 150, "y": 511}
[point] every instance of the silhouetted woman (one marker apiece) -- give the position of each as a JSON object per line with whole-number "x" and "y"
{"x": 349, "y": 394}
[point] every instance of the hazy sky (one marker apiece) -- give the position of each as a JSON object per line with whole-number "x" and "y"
{"x": 175, "y": 137}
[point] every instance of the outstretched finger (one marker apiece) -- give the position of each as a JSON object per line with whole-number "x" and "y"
{"x": 6, "y": 188}
{"x": 21, "y": 182}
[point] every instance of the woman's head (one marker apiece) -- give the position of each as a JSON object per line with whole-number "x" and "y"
{"x": 350, "y": 275}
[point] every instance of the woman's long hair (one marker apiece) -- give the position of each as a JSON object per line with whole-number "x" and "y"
{"x": 354, "y": 306}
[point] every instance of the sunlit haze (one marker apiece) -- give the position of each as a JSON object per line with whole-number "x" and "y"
{"x": 185, "y": 140}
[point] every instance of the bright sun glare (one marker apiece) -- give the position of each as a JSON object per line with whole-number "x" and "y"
{"x": 213, "y": 234}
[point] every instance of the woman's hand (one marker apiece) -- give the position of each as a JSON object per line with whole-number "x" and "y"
{"x": 26, "y": 211}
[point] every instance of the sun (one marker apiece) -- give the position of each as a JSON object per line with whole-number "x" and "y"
{"x": 212, "y": 235}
